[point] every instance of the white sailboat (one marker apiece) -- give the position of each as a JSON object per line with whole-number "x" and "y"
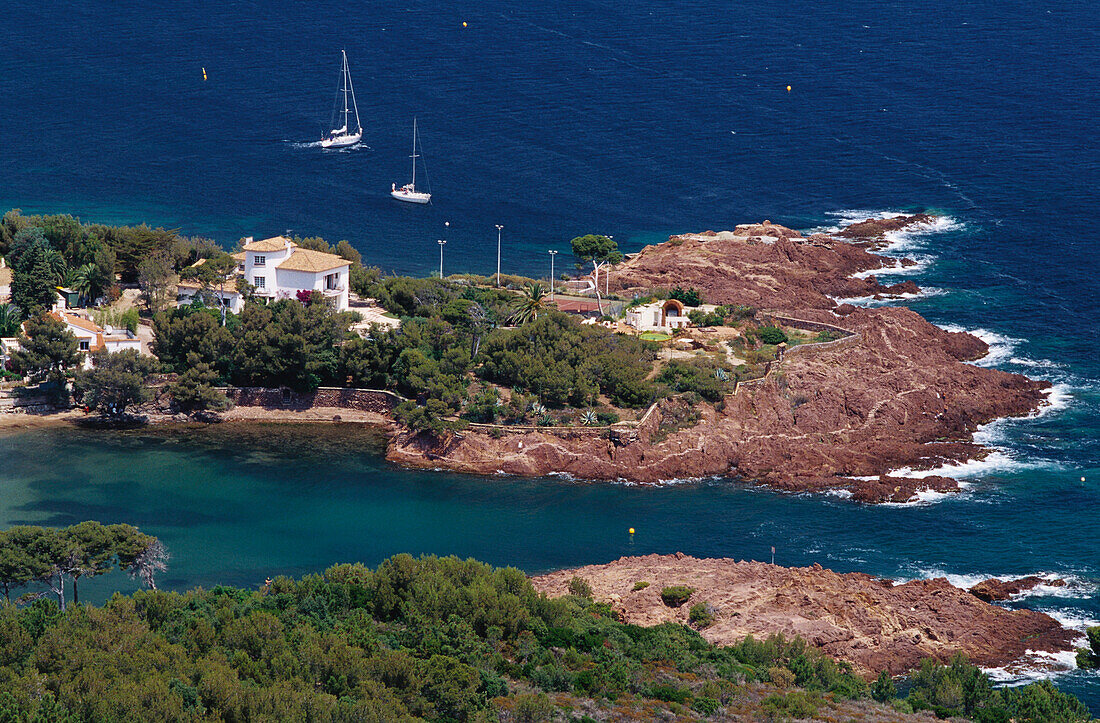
{"x": 408, "y": 192}
{"x": 343, "y": 137}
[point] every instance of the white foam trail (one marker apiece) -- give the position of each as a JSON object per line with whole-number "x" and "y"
{"x": 870, "y": 301}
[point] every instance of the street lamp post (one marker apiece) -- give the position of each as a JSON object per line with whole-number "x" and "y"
{"x": 499, "y": 229}
{"x": 442, "y": 243}
{"x": 552, "y": 255}
{"x": 607, "y": 277}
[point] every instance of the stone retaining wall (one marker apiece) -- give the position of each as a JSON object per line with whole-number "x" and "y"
{"x": 850, "y": 337}
{"x": 379, "y": 401}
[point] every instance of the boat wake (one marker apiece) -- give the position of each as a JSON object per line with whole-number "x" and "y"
{"x": 317, "y": 144}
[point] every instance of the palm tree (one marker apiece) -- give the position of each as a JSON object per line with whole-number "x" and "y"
{"x": 526, "y": 307}
{"x": 10, "y": 319}
{"x": 89, "y": 281}
{"x": 58, "y": 266}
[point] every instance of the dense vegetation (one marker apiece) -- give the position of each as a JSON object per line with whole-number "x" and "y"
{"x": 429, "y": 638}
{"x": 453, "y": 355}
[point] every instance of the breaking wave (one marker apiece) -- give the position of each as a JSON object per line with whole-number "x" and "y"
{"x": 869, "y": 301}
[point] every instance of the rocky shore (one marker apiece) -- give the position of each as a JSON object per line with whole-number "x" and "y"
{"x": 873, "y": 624}
{"x": 901, "y": 395}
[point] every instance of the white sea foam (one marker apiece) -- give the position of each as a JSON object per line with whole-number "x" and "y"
{"x": 1001, "y": 346}
{"x": 997, "y": 461}
{"x": 922, "y": 262}
{"x": 870, "y": 301}
{"x": 1076, "y": 588}
{"x": 1072, "y": 619}
{"x": 1034, "y": 665}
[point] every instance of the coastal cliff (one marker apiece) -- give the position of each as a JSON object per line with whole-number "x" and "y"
{"x": 838, "y": 417}
{"x": 871, "y": 623}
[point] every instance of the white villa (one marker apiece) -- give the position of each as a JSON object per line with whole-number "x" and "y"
{"x": 664, "y": 315}
{"x": 91, "y": 337}
{"x": 278, "y": 269}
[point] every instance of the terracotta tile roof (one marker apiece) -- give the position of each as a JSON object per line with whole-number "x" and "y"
{"x": 312, "y": 261}
{"x": 278, "y": 243}
{"x": 77, "y": 321}
{"x": 5, "y": 276}
{"x": 239, "y": 256}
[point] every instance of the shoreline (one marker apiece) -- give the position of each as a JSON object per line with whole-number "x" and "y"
{"x": 834, "y": 419}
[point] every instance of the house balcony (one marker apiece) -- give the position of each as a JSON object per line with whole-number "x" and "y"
{"x": 333, "y": 292}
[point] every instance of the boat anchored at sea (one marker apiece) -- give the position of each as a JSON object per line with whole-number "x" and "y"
{"x": 408, "y": 192}
{"x": 343, "y": 136}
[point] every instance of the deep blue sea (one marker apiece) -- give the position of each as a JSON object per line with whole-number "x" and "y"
{"x": 631, "y": 119}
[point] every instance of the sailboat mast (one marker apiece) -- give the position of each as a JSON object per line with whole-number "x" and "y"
{"x": 351, "y": 87}
{"x": 414, "y": 154}
{"x": 345, "y": 69}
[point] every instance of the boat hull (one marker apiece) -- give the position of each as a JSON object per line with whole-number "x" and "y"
{"x": 411, "y": 197}
{"x": 341, "y": 141}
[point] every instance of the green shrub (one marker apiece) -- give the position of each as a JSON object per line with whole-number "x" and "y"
{"x": 687, "y": 297}
{"x": 702, "y": 614}
{"x": 579, "y": 586}
{"x": 1090, "y": 657}
{"x": 883, "y": 689}
{"x": 771, "y": 335}
{"x": 640, "y": 585}
{"x": 705, "y": 705}
{"x": 607, "y": 418}
{"x": 676, "y": 595}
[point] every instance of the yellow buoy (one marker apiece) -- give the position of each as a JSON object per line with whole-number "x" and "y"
{"x": 463, "y": 23}
{"x": 204, "y": 73}
{"x": 631, "y": 530}
{"x": 788, "y": 89}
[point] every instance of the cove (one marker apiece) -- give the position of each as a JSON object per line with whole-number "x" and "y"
{"x": 236, "y": 504}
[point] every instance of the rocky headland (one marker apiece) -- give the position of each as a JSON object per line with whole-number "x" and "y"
{"x": 873, "y": 624}
{"x": 898, "y": 393}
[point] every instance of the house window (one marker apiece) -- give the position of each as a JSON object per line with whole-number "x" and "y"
{"x": 261, "y": 260}
{"x": 261, "y": 282}
{"x": 83, "y": 345}
{"x": 332, "y": 282}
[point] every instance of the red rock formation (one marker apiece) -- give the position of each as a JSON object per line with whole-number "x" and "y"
{"x": 899, "y": 395}
{"x": 876, "y": 228}
{"x": 886, "y": 402}
{"x": 994, "y": 589}
{"x": 868, "y": 622}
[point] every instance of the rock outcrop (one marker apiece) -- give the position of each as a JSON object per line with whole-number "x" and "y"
{"x": 871, "y": 623}
{"x": 993, "y": 589}
{"x": 897, "y": 394}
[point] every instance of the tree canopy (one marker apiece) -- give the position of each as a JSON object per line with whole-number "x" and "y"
{"x": 596, "y": 248}
{"x": 48, "y": 350}
{"x": 117, "y": 381}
